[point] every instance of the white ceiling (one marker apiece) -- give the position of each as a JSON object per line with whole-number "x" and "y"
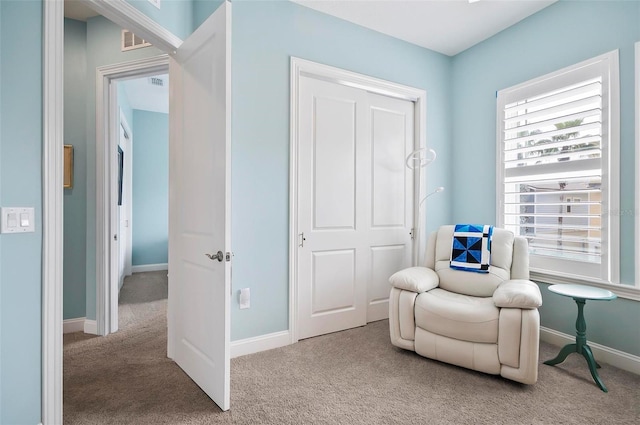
{"x": 78, "y": 10}
{"x": 446, "y": 26}
{"x": 144, "y": 96}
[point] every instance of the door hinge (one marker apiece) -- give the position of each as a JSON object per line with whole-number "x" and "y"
{"x": 412, "y": 234}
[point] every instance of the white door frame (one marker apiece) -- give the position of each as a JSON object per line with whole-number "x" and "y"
{"x": 637, "y": 120}
{"x": 52, "y": 210}
{"x": 107, "y": 134}
{"x": 303, "y": 67}
{"x": 126, "y": 16}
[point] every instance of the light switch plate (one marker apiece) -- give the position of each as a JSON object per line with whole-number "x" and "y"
{"x": 18, "y": 220}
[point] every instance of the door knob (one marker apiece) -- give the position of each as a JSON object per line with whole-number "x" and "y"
{"x": 218, "y": 256}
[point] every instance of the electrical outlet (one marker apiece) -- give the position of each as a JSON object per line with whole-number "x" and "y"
{"x": 245, "y": 298}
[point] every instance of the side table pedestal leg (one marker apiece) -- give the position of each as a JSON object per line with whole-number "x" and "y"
{"x": 588, "y": 354}
{"x": 562, "y": 355}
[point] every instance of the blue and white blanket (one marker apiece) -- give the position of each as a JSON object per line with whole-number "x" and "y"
{"x": 471, "y": 248}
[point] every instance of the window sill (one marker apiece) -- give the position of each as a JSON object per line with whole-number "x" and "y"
{"x": 622, "y": 291}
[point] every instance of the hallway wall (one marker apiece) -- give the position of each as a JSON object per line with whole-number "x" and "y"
{"x": 150, "y": 188}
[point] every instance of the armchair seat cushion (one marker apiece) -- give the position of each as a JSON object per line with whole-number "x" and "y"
{"x": 462, "y": 317}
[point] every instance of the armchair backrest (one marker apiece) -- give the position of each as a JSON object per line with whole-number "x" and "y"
{"x": 509, "y": 260}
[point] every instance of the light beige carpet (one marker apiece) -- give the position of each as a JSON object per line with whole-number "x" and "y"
{"x": 350, "y": 377}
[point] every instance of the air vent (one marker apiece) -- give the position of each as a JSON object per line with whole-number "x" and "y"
{"x": 155, "y": 81}
{"x": 131, "y": 41}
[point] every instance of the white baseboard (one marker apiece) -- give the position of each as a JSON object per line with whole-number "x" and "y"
{"x": 149, "y": 268}
{"x": 608, "y": 355}
{"x": 243, "y": 347}
{"x": 91, "y": 327}
{"x": 73, "y": 325}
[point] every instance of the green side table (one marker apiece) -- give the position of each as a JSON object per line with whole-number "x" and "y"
{"x": 580, "y": 294}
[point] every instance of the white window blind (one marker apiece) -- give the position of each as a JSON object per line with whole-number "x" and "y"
{"x": 555, "y": 180}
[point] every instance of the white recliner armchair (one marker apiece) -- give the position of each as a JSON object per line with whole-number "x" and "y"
{"x": 488, "y": 322}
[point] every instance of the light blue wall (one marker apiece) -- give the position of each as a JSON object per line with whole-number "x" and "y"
{"x": 560, "y": 35}
{"x": 181, "y": 17}
{"x": 21, "y": 186}
{"x": 175, "y": 15}
{"x": 150, "y": 187}
{"x": 125, "y": 106}
{"x": 265, "y": 35}
{"x": 75, "y": 133}
{"x": 103, "y": 48}
{"x": 202, "y": 9}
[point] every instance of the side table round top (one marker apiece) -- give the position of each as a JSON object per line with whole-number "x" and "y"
{"x": 583, "y": 291}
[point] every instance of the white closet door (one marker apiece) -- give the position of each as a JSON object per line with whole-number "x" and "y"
{"x": 391, "y": 199}
{"x": 332, "y": 263}
{"x": 353, "y": 209}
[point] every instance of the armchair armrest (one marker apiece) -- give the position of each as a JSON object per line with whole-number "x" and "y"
{"x": 415, "y": 279}
{"x": 517, "y": 293}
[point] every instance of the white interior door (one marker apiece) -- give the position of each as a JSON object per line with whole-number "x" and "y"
{"x": 390, "y": 201}
{"x": 199, "y": 200}
{"x": 332, "y": 260}
{"x": 123, "y": 207}
{"x": 128, "y": 197}
{"x": 355, "y": 203}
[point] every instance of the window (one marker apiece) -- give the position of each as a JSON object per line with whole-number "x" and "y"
{"x": 558, "y": 182}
